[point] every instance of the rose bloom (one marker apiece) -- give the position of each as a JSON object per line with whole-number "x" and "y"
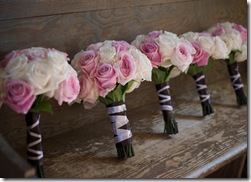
{"x": 88, "y": 91}
{"x": 167, "y": 43}
{"x": 242, "y": 30}
{"x": 106, "y": 78}
{"x": 68, "y": 90}
{"x": 138, "y": 41}
{"x": 120, "y": 46}
{"x": 10, "y": 56}
{"x": 95, "y": 47}
{"x": 221, "y": 51}
{"x": 241, "y": 56}
{"x": 88, "y": 61}
{"x": 107, "y": 53}
{"x": 151, "y": 50}
{"x": 18, "y": 95}
{"x": 35, "y": 53}
{"x": 40, "y": 76}
{"x": 126, "y": 68}
{"x": 200, "y": 57}
{"x": 183, "y": 55}
{"x": 16, "y": 67}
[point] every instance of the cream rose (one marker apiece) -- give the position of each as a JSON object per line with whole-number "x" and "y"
{"x": 241, "y": 56}
{"x": 138, "y": 40}
{"x": 207, "y": 43}
{"x": 16, "y": 68}
{"x": 107, "y": 53}
{"x": 166, "y": 42}
{"x": 39, "y": 75}
{"x": 221, "y": 51}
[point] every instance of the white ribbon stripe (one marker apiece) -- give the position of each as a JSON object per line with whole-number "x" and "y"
{"x": 119, "y": 121}
{"x": 234, "y": 79}
{"x": 30, "y": 145}
{"x": 164, "y": 98}
{"x": 201, "y": 87}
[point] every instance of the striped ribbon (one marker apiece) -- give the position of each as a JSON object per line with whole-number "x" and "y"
{"x": 119, "y": 119}
{"x": 164, "y": 98}
{"x": 203, "y": 97}
{"x": 38, "y": 153}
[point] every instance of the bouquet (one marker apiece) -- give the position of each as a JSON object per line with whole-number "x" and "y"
{"x": 28, "y": 78}
{"x": 207, "y": 49}
{"x": 167, "y": 53}
{"x": 235, "y": 37}
{"x": 107, "y": 71}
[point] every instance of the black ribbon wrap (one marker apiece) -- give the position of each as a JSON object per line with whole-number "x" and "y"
{"x": 204, "y": 95}
{"x": 171, "y": 126}
{"x": 237, "y": 84}
{"x": 34, "y": 142}
{"x": 121, "y": 129}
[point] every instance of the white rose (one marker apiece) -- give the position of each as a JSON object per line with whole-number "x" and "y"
{"x": 221, "y": 51}
{"x": 39, "y": 76}
{"x": 144, "y": 65}
{"x": 190, "y": 36}
{"x": 138, "y": 41}
{"x": 207, "y": 43}
{"x": 107, "y": 53}
{"x": 241, "y": 56}
{"x": 167, "y": 43}
{"x": 16, "y": 68}
{"x": 235, "y": 37}
{"x": 183, "y": 55}
{"x": 59, "y": 64}
{"x": 227, "y": 26}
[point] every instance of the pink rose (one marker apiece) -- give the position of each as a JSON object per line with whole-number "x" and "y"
{"x": 88, "y": 62}
{"x": 95, "y": 47}
{"x": 18, "y": 95}
{"x": 106, "y": 78}
{"x": 200, "y": 57}
{"x": 8, "y": 57}
{"x": 120, "y": 46}
{"x": 154, "y": 34}
{"x": 242, "y": 30}
{"x": 151, "y": 50}
{"x": 219, "y": 30}
{"x": 183, "y": 55}
{"x": 88, "y": 89}
{"x": 68, "y": 90}
{"x": 36, "y": 53}
{"x": 126, "y": 68}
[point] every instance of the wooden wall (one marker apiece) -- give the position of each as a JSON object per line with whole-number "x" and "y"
{"x": 71, "y": 25}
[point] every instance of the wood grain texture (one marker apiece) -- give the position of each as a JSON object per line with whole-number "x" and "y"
{"x": 202, "y": 146}
{"x": 17, "y": 9}
{"x": 73, "y": 32}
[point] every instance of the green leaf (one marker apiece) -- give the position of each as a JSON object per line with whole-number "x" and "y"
{"x": 161, "y": 74}
{"x": 231, "y": 58}
{"x": 41, "y": 104}
{"x": 194, "y": 69}
{"x": 116, "y": 95}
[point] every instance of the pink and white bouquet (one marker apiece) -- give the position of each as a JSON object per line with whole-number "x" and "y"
{"x": 28, "y": 78}
{"x": 107, "y": 71}
{"x": 235, "y": 38}
{"x": 207, "y": 49}
{"x": 166, "y": 52}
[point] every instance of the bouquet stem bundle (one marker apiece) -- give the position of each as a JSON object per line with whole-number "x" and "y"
{"x": 237, "y": 84}
{"x": 204, "y": 95}
{"x": 171, "y": 126}
{"x": 121, "y": 129}
{"x": 34, "y": 142}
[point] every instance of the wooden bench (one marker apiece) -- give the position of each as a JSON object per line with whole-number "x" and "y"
{"x": 78, "y": 143}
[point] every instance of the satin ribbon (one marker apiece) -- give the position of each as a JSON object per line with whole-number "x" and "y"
{"x": 118, "y": 120}
{"x": 39, "y": 140}
{"x": 164, "y": 99}
{"x": 204, "y": 97}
